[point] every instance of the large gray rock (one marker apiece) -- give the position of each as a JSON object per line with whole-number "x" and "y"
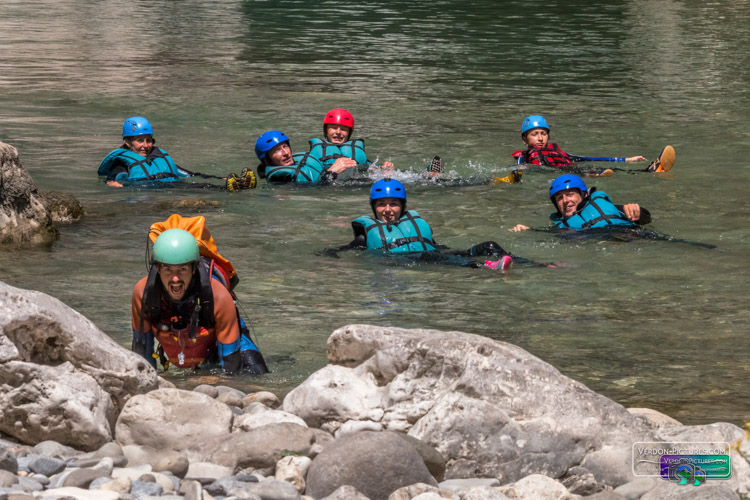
{"x": 63, "y": 378}
{"x": 166, "y": 422}
{"x": 490, "y": 408}
{"x": 375, "y": 463}
{"x": 41, "y": 402}
{"x": 24, "y": 218}
{"x": 264, "y": 446}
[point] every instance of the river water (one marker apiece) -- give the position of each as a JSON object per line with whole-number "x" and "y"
{"x": 648, "y": 323}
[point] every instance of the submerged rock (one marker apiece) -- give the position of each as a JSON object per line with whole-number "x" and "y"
{"x": 63, "y": 207}
{"x": 24, "y": 218}
{"x": 193, "y": 203}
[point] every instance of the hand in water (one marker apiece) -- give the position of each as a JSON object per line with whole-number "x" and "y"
{"x": 632, "y": 159}
{"x": 342, "y": 164}
{"x": 632, "y": 211}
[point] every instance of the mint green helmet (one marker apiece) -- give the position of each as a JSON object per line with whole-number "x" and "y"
{"x": 176, "y": 246}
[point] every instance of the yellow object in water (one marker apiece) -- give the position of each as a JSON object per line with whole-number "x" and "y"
{"x": 512, "y": 178}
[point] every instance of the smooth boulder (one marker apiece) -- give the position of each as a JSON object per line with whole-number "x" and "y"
{"x": 263, "y": 447}
{"x": 375, "y": 463}
{"x": 166, "y": 422}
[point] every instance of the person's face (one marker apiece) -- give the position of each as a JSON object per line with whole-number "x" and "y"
{"x": 536, "y": 138}
{"x": 141, "y": 144}
{"x": 337, "y": 134}
{"x": 567, "y": 201}
{"x": 388, "y": 209}
{"x": 176, "y": 279}
{"x": 281, "y": 155}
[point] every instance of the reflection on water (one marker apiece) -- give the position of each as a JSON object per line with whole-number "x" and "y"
{"x": 649, "y": 323}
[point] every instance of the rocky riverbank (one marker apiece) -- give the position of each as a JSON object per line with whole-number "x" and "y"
{"x": 396, "y": 414}
{"x": 27, "y": 215}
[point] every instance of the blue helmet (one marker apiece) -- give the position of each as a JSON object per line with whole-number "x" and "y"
{"x": 567, "y": 181}
{"x": 387, "y": 188}
{"x": 137, "y": 125}
{"x": 267, "y": 141}
{"x": 532, "y": 122}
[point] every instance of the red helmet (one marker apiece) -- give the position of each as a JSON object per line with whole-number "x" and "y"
{"x": 339, "y": 116}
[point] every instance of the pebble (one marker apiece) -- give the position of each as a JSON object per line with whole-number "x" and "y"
{"x": 230, "y": 398}
{"x": 177, "y": 465}
{"x": 191, "y": 490}
{"x": 465, "y": 484}
{"x": 20, "y": 496}
{"x": 8, "y": 461}
{"x": 278, "y": 490}
{"x": 31, "y": 483}
{"x": 200, "y": 470}
{"x": 82, "y": 478}
{"x": 223, "y": 389}
{"x": 120, "y": 485}
{"x": 249, "y": 478}
{"x": 269, "y": 399}
{"x": 7, "y": 479}
{"x": 209, "y": 390}
{"x": 142, "y": 488}
{"x": 42, "y": 464}
{"x": 55, "y": 449}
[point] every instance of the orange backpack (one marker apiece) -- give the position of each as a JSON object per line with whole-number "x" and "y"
{"x": 197, "y": 227}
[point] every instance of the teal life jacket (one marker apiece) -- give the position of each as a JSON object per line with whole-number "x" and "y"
{"x": 158, "y": 166}
{"x": 328, "y": 152}
{"x": 597, "y": 210}
{"x": 306, "y": 170}
{"x": 410, "y": 233}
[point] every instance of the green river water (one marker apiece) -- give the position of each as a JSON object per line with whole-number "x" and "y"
{"x": 647, "y": 323}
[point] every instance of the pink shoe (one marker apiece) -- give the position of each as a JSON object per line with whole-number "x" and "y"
{"x": 503, "y": 264}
